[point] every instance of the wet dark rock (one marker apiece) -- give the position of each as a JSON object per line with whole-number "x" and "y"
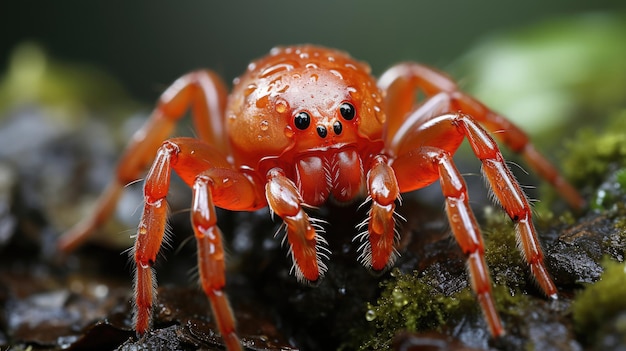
{"x": 427, "y": 342}
{"x": 574, "y": 258}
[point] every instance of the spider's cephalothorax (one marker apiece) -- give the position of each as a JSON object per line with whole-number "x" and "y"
{"x": 304, "y": 110}
{"x": 305, "y": 124}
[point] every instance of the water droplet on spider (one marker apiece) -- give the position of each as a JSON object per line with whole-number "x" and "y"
{"x": 370, "y": 315}
{"x": 377, "y": 98}
{"x": 288, "y": 132}
{"x": 262, "y": 101}
{"x": 336, "y": 73}
{"x": 271, "y": 70}
{"x": 265, "y": 124}
{"x": 354, "y": 93}
{"x": 249, "y": 90}
{"x": 281, "y": 106}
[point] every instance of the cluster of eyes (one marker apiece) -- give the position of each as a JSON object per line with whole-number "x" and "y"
{"x": 302, "y": 120}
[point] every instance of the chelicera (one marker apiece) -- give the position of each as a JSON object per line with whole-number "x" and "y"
{"x": 305, "y": 124}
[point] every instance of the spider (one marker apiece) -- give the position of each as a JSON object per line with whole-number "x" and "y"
{"x": 305, "y": 124}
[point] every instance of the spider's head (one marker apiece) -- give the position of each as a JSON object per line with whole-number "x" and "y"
{"x": 303, "y": 99}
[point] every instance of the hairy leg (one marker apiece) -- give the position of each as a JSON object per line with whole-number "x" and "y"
{"x": 205, "y": 93}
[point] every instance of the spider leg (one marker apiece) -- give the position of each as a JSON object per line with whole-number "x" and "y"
{"x": 429, "y": 164}
{"x": 304, "y": 242}
{"x": 378, "y": 249}
{"x": 403, "y": 80}
{"x": 213, "y": 183}
{"x": 425, "y": 164}
{"x": 211, "y": 262}
{"x": 511, "y": 197}
{"x": 467, "y": 233}
{"x": 205, "y": 93}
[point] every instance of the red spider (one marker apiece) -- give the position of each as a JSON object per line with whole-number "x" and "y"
{"x": 306, "y": 123}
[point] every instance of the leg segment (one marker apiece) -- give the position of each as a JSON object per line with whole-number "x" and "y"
{"x": 378, "y": 251}
{"x": 150, "y": 235}
{"x": 200, "y": 166}
{"x": 285, "y": 201}
{"x": 467, "y": 233}
{"x": 201, "y": 90}
{"x": 211, "y": 260}
{"x": 402, "y": 81}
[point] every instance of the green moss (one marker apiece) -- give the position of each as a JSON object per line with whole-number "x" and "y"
{"x": 590, "y": 153}
{"x": 414, "y": 302}
{"x": 410, "y": 302}
{"x": 594, "y": 161}
{"x": 602, "y": 301}
{"x": 501, "y": 250}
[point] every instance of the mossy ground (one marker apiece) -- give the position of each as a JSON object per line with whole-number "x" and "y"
{"x": 410, "y": 302}
{"x": 415, "y": 302}
{"x": 601, "y": 302}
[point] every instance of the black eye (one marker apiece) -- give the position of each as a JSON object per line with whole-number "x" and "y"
{"x": 321, "y": 131}
{"x": 302, "y": 120}
{"x": 337, "y": 127}
{"x": 347, "y": 111}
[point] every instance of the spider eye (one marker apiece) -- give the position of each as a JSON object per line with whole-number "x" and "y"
{"x": 302, "y": 120}
{"x": 347, "y": 111}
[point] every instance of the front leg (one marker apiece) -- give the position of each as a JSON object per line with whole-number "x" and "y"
{"x": 285, "y": 201}
{"x": 214, "y": 183}
{"x": 378, "y": 250}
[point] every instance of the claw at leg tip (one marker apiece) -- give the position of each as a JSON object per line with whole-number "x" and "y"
{"x": 554, "y": 296}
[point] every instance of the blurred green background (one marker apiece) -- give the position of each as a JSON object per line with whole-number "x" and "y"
{"x": 147, "y": 44}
